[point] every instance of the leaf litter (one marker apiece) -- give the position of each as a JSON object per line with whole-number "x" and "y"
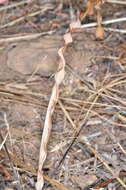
{"x": 86, "y": 106}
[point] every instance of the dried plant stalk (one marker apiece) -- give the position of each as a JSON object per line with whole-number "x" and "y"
{"x": 48, "y": 120}
{"x": 99, "y": 29}
{"x": 4, "y": 140}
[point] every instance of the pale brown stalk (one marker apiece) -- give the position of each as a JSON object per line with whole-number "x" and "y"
{"x": 48, "y": 120}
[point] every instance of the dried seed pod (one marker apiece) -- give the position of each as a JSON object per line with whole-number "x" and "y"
{"x": 99, "y": 32}
{"x": 90, "y": 8}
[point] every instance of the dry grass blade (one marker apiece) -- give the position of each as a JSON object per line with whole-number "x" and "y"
{"x": 25, "y": 37}
{"x": 4, "y": 140}
{"x": 27, "y": 168}
{"x": 104, "y": 163}
{"x": 85, "y": 162}
{"x": 81, "y": 125}
{"x": 122, "y": 149}
{"x": 42, "y": 10}
{"x": 123, "y": 19}
{"x": 105, "y": 119}
{"x": 67, "y": 115}
{"x": 48, "y": 123}
{"x": 15, "y": 172}
{"x": 96, "y": 104}
{"x": 117, "y": 1}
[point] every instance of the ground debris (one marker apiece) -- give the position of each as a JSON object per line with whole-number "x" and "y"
{"x": 92, "y": 96}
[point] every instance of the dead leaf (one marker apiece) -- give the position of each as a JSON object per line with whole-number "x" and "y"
{"x": 84, "y": 181}
{"x": 4, "y": 171}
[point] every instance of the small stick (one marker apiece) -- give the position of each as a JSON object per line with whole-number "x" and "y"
{"x": 104, "y": 22}
{"x": 26, "y": 37}
{"x": 116, "y": 1}
{"x": 3, "y": 142}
